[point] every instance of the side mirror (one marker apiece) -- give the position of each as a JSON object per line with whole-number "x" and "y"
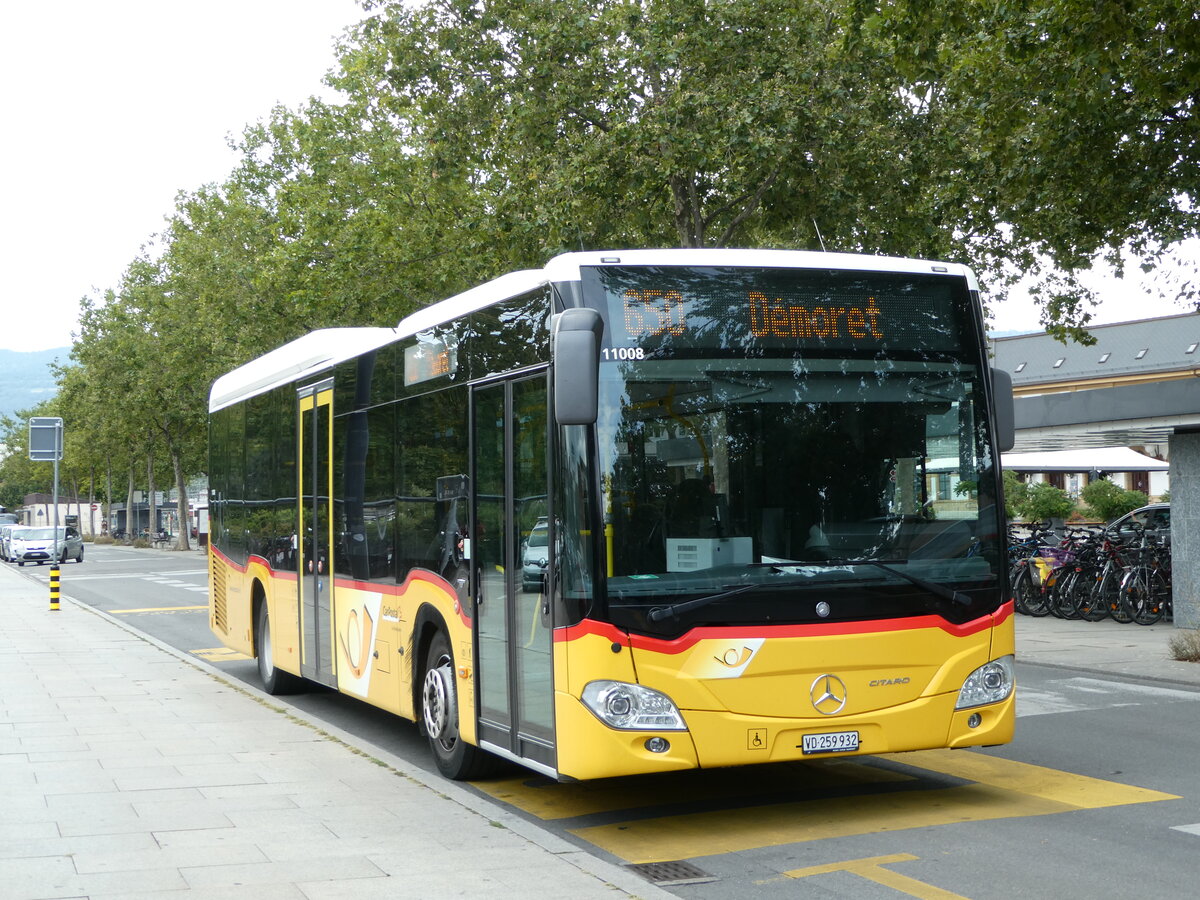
{"x": 575, "y": 343}
{"x": 1006, "y": 416}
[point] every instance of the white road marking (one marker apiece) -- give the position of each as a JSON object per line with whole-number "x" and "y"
{"x": 1080, "y": 694}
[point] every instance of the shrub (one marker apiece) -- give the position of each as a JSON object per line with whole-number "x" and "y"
{"x": 1016, "y": 492}
{"x": 1106, "y": 501}
{"x": 1184, "y": 645}
{"x": 1045, "y": 501}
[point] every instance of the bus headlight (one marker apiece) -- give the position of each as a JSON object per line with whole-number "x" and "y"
{"x": 989, "y": 683}
{"x": 630, "y": 706}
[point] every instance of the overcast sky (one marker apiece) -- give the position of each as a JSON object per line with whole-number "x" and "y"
{"x": 111, "y": 107}
{"x": 114, "y": 107}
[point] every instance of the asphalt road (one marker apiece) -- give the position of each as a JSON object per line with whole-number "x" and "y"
{"x": 1097, "y": 797}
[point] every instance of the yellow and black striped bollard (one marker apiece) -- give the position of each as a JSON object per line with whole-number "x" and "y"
{"x": 54, "y": 587}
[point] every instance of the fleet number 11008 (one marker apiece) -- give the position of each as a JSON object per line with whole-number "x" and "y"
{"x": 624, "y": 353}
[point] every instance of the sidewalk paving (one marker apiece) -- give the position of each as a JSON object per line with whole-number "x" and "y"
{"x": 130, "y": 770}
{"x": 1105, "y": 647}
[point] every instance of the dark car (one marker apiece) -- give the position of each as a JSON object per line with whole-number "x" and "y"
{"x": 1154, "y": 519}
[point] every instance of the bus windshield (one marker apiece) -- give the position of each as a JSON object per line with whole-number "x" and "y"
{"x": 791, "y": 446}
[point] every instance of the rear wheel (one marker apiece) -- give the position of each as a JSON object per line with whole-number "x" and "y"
{"x": 274, "y": 679}
{"x": 455, "y": 758}
{"x": 1120, "y": 605}
{"x": 1148, "y": 599}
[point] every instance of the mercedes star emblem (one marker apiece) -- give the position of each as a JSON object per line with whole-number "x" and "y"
{"x": 828, "y": 694}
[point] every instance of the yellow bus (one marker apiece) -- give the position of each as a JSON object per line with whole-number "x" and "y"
{"x": 633, "y": 512}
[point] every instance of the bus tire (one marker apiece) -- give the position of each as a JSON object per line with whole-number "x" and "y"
{"x": 455, "y": 758}
{"x": 274, "y": 680}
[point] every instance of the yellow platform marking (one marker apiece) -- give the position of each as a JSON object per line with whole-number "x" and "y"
{"x": 1075, "y": 791}
{"x": 155, "y": 609}
{"x": 220, "y": 654}
{"x": 1000, "y": 789}
{"x": 871, "y": 868}
{"x": 549, "y": 800}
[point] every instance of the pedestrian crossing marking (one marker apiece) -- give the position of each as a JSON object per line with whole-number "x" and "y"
{"x": 1088, "y": 694}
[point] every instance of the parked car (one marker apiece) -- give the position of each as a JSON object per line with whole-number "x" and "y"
{"x": 28, "y": 543}
{"x": 535, "y": 556}
{"x": 5, "y": 529}
{"x": 1155, "y": 519}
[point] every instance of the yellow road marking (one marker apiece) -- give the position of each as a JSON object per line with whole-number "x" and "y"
{"x": 549, "y": 800}
{"x": 872, "y": 869}
{"x": 1002, "y": 790}
{"x": 220, "y": 654}
{"x": 748, "y": 828}
{"x": 158, "y": 609}
{"x": 1077, "y": 791}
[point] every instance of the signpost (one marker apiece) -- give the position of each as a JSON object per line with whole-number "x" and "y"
{"x": 45, "y": 445}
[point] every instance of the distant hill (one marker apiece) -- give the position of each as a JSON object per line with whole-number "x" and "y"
{"x": 25, "y": 378}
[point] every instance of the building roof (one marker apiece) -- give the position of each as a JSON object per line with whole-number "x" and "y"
{"x": 1145, "y": 347}
{"x": 1105, "y": 459}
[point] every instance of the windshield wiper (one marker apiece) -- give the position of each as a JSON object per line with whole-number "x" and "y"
{"x": 658, "y": 613}
{"x": 938, "y": 590}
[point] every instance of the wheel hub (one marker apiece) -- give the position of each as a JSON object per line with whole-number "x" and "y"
{"x": 439, "y": 710}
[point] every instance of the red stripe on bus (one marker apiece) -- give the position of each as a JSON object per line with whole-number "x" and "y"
{"x": 694, "y": 636}
{"x": 395, "y": 590}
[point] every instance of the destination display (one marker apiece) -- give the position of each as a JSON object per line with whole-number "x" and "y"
{"x": 660, "y": 308}
{"x": 428, "y": 360}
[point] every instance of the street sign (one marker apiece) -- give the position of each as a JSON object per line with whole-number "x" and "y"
{"x": 45, "y": 438}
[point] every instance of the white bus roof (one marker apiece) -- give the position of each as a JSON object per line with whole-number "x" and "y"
{"x": 320, "y": 350}
{"x": 306, "y": 355}
{"x": 566, "y": 267}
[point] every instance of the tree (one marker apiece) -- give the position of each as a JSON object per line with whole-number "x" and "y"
{"x": 613, "y": 123}
{"x": 1106, "y": 501}
{"x": 1079, "y": 127}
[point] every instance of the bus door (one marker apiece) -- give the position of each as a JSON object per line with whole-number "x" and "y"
{"x": 315, "y": 533}
{"x": 511, "y": 569}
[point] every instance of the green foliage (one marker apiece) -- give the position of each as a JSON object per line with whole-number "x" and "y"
{"x": 1045, "y": 501}
{"x": 470, "y": 139}
{"x": 1078, "y": 119}
{"x": 1105, "y": 501}
{"x": 1016, "y": 492}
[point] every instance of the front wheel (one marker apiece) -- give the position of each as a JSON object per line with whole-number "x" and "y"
{"x": 455, "y": 758}
{"x": 275, "y": 680}
{"x": 1030, "y": 598}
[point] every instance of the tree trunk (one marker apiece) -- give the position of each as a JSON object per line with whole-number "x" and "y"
{"x": 151, "y": 504}
{"x": 106, "y": 525}
{"x": 181, "y": 505}
{"x": 130, "y": 519}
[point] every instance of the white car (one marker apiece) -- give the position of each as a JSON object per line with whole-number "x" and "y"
{"x": 535, "y": 556}
{"x": 28, "y": 543}
{"x": 5, "y": 529}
